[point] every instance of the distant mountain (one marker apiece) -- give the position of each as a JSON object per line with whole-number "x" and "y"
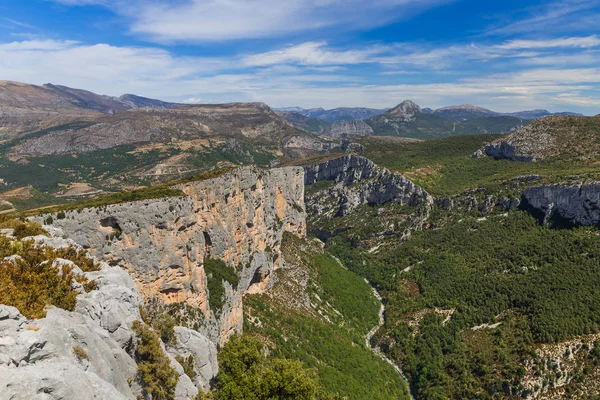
{"x": 289, "y": 109}
{"x": 464, "y": 112}
{"x": 27, "y": 108}
{"x": 408, "y": 120}
{"x": 467, "y": 112}
{"x": 336, "y": 114}
{"x": 344, "y": 114}
{"x": 460, "y": 113}
{"x": 134, "y": 101}
{"x": 245, "y": 122}
{"x": 308, "y": 124}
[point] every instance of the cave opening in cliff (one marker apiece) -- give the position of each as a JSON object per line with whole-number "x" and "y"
{"x": 111, "y": 222}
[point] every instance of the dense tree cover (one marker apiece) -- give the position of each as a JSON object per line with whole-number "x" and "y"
{"x": 330, "y": 340}
{"x": 541, "y": 284}
{"x": 246, "y": 373}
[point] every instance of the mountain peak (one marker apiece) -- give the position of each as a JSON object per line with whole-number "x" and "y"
{"x": 406, "y": 108}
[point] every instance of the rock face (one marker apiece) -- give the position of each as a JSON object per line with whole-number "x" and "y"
{"x": 38, "y": 357}
{"x": 503, "y": 151}
{"x": 238, "y": 217}
{"x": 359, "y": 181}
{"x": 349, "y": 128}
{"x": 564, "y": 205}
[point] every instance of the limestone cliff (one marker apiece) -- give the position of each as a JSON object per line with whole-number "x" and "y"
{"x": 564, "y": 205}
{"x": 238, "y": 217}
{"x": 357, "y": 181}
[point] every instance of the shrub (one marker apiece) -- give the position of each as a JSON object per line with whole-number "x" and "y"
{"x": 154, "y": 315}
{"x": 155, "y": 372}
{"x": 22, "y": 228}
{"x": 188, "y": 365}
{"x": 218, "y": 271}
{"x": 80, "y": 353}
{"x": 29, "y": 282}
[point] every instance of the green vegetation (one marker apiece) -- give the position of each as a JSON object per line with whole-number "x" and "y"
{"x": 445, "y": 166}
{"x": 217, "y": 271}
{"x": 245, "y": 373}
{"x": 329, "y": 335}
{"x": 540, "y": 284}
{"x": 21, "y": 227}
{"x": 188, "y": 365}
{"x": 318, "y": 186}
{"x": 29, "y": 281}
{"x": 162, "y": 322}
{"x": 157, "y": 376}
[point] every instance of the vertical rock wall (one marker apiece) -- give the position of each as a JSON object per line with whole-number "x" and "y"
{"x": 238, "y": 217}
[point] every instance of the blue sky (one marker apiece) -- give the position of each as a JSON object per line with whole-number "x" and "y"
{"x": 504, "y": 55}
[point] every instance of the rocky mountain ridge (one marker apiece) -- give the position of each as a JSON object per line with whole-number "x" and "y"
{"x": 549, "y": 137}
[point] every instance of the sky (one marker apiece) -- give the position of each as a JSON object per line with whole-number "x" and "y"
{"x": 504, "y": 55}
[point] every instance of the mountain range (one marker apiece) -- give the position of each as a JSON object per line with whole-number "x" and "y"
{"x": 53, "y": 137}
{"x": 409, "y": 120}
{"x": 461, "y": 112}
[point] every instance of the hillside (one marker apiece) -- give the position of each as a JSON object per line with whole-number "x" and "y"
{"x": 464, "y": 112}
{"x": 92, "y": 144}
{"x": 408, "y": 120}
{"x": 308, "y": 124}
{"x": 566, "y": 137}
{"x": 28, "y": 108}
{"x": 243, "y": 121}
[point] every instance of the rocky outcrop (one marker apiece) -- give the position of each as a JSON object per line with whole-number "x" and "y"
{"x": 503, "y": 151}
{"x": 349, "y": 128}
{"x": 238, "y": 217}
{"x": 88, "y": 353}
{"x": 560, "y": 135}
{"x": 357, "y": 181}
{"x": 564, "y": 205}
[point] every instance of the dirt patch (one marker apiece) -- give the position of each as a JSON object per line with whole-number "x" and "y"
{"x": 22, "y": 193}
{"x": 79, "y": 189}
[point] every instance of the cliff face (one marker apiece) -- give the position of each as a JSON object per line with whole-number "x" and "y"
{"x": 238, "y": 217}
{"x": 38, "y": 355}
{"x": 564, "y": 205}
{"x": 357, "y": 181}
{"x": 349, "y": 128}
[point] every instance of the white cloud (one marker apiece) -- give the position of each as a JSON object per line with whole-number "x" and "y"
{"x": 157, "y": 73}
{"x": 553, "y": 16}
{"x": 212, "y": 20}
{"x": 578, "y": 42}
{"x": 313, "y": 53}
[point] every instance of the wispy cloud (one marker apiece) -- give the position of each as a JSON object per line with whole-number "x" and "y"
{"x": 18, "y": 23}
{"x": 577, "y": 42}
{"x": 158, "y": 73}
{"x": 212, "y": 20}
{"x": 314, "y": 53}
{"x": 554, "y": 16}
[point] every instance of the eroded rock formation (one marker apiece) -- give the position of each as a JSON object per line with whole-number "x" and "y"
{"x": 238, "y": 217}
{"x": 359, "y": 181}
{"x": 564, "y": 205}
